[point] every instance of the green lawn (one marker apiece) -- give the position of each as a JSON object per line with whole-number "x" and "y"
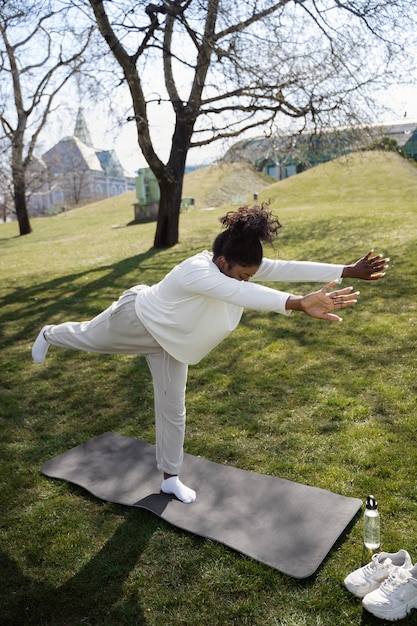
{"x": 329, "y": 405}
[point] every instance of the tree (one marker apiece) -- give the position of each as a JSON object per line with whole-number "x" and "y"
{"x": 6, "y": 195}
{"x": 34, "y": 68}
{"x": 229, "y": 67}
{"x": 387, "y": 144}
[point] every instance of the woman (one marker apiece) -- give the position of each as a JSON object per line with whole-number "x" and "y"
{"x": 180, "y": 319}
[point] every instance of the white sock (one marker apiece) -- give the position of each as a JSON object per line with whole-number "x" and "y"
{"x": 174, "y": 486}
{"x": 40, "y": 347}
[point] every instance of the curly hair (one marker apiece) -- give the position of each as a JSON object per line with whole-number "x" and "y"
{"x": 246, "y": 228}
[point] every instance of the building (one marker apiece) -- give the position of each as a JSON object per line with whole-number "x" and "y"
{"x": 74, "y": 172}
{"x": 284, "y": 155}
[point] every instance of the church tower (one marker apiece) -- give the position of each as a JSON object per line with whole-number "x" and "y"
{"x": 81, "y": 130}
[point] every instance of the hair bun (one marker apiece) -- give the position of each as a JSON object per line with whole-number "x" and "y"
{"x": 254, "y": 221}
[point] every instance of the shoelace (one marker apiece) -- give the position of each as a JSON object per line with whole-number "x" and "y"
{"x": 375, "y": 564}
{"x": 392, "y": 583}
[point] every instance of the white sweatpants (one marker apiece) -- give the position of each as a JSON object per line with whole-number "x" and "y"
{"x": 118, "y": 330}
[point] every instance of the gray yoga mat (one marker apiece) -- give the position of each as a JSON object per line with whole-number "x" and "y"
{"x": 286, "y": 525}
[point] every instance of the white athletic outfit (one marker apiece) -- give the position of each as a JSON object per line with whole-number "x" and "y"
{"x": 176, "y": 323}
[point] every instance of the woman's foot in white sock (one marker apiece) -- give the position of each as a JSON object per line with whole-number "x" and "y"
{"x": 174, "y": 486}
{"x": 40, "y": 347}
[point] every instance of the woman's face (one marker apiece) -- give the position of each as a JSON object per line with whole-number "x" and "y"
{"x": 236, "y": 271}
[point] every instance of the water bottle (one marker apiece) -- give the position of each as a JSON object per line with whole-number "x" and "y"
{"x": 371, "y": 524}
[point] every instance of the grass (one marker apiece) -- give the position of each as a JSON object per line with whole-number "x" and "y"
{"x": 332, "y": 406}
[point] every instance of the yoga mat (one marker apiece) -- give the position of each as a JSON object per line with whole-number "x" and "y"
{"x": 286, "y": 525}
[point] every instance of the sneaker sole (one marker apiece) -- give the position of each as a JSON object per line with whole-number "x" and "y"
{"x": 394, "y": 614}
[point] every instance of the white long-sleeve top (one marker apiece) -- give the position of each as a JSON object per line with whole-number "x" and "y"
{"x": 195, "y": 306}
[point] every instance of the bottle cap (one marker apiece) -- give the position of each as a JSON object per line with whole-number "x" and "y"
{"x": 371, "y": 503}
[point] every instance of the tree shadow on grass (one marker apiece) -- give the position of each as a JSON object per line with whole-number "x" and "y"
{"x": 94, "y": 595}
{"x": 23, "y": 311}
{"x": 75, "y": 295}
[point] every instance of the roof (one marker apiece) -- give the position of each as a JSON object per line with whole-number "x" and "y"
{"x": 72, "y": 154}
{"x": 110, "y": 162}
{"x": 401, "y": 132}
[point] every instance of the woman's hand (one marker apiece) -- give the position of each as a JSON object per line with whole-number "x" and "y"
{"x": 321, "y": 304}
{"x": 368, "y": 268}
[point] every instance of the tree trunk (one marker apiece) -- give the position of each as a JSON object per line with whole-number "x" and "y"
{"x": 167, "y": 228}
{"x": 170, "y": 179}
{"x": 20, "y": 202}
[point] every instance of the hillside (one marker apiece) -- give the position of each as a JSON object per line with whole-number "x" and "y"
{"x": 375, "y": 178}
{"x": 370, "y": 178}
{"x": 227, "y": 183}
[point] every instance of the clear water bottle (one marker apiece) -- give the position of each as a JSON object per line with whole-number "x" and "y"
{"x": 371, "y": 525}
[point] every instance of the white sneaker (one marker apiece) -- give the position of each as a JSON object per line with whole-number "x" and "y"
{"x": 369, "y": 577}
{"x": 40, "y": 347}
{"x": 395, "y": 597}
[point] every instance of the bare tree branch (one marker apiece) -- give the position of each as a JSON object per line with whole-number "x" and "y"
{"x": 34, "y": 70}
{"x": 229, "y": 67}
